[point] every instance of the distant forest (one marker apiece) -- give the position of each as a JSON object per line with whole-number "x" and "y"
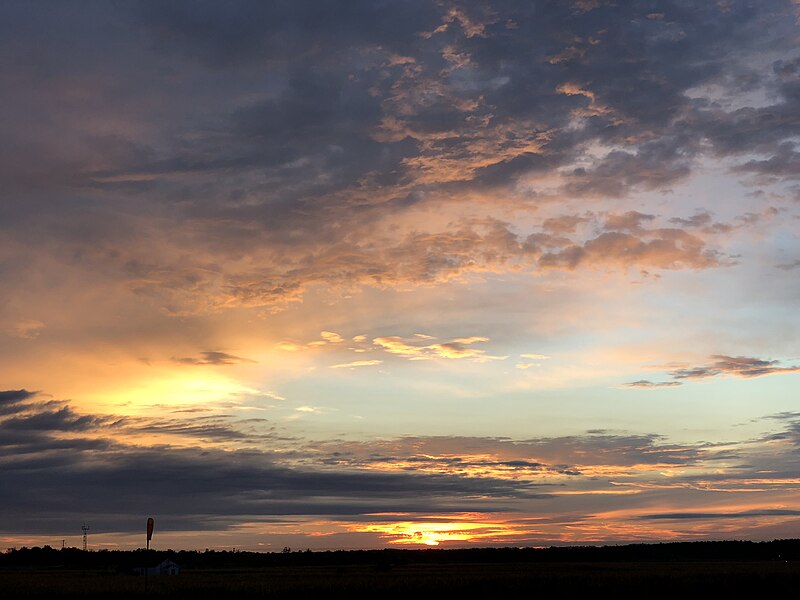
{"x": 73, "y": 558}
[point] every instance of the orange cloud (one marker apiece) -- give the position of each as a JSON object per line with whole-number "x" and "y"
{"x": 357, "y": 363}
{"x": 458, "y": 348}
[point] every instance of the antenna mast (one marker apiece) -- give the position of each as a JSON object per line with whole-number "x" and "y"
{"x": 85, "y": 529}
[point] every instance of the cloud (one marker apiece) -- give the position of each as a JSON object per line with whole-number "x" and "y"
{"x": 645, "y": 384}
{"x": 789, "y": 266}
{"x": 744, "y": 367}
{"x": 630, "y": 221}
{"x": 288, "y": 346}
{"x": 61, "y": 464}
{"x": 106, "y": 478}
{"x": 700, "y": 219}
{"x": 785, "y": 165}
{"x": 569, "y": 456}
{"x": 661, "y": 248}
{"x": 322, "y": 176}
{"x": 213, "y": 358}
{"x": 738, "y": 366}
{"x": 357, "y": 363}
{"x": 459, "y": 348}
{"x": 528, "y": 365}
{"x": 33, "y": 424}
{"x": 15, "y": 396}
{"x": 330, "y": 337}
{"x": 326, "y": 338}
{"x": 773, "y": 512}
{"x": 475, "y": 248}
{"x": 200, "y": 429}
{"x": 418, "y": 347}
{"x": 564, "y": 224}
{"x": 26, "y": 329}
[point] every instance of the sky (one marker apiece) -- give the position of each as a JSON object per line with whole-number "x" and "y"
{"x": 399, "y": 273}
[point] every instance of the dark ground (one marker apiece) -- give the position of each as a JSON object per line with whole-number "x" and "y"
{"x": 735, "y": 569}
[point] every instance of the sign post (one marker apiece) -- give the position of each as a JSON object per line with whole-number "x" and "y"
{"x": 150, "y": 524}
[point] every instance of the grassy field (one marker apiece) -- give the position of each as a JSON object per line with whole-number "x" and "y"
{"x": 553, "y": 580}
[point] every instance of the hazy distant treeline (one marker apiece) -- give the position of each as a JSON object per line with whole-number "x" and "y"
{"x": 777, "y": 550}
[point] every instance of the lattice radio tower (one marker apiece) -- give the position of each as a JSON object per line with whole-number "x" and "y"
{"x": 85, "y": 529}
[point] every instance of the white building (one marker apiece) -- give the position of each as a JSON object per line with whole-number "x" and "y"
{"x": 166, "y": 567}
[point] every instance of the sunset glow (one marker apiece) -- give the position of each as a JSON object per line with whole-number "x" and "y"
{"x": 433, "y": 533}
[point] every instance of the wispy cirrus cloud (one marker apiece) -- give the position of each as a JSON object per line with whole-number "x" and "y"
{"x": 357, "y": 363}
{"x": 749, "y": 514}
{"x": 649, "y": 385}
{"x": 459, "y": 348}
{"x": 27, "y": 329}
{"x": 420, "y": 346}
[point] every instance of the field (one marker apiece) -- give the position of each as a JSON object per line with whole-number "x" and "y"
{"x": 384, "y": 580}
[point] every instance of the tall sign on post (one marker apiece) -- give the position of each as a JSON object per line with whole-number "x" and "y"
{"x": 150, "y": 524}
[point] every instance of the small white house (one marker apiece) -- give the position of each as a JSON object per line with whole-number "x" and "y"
{"x": 166, "y": 567}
